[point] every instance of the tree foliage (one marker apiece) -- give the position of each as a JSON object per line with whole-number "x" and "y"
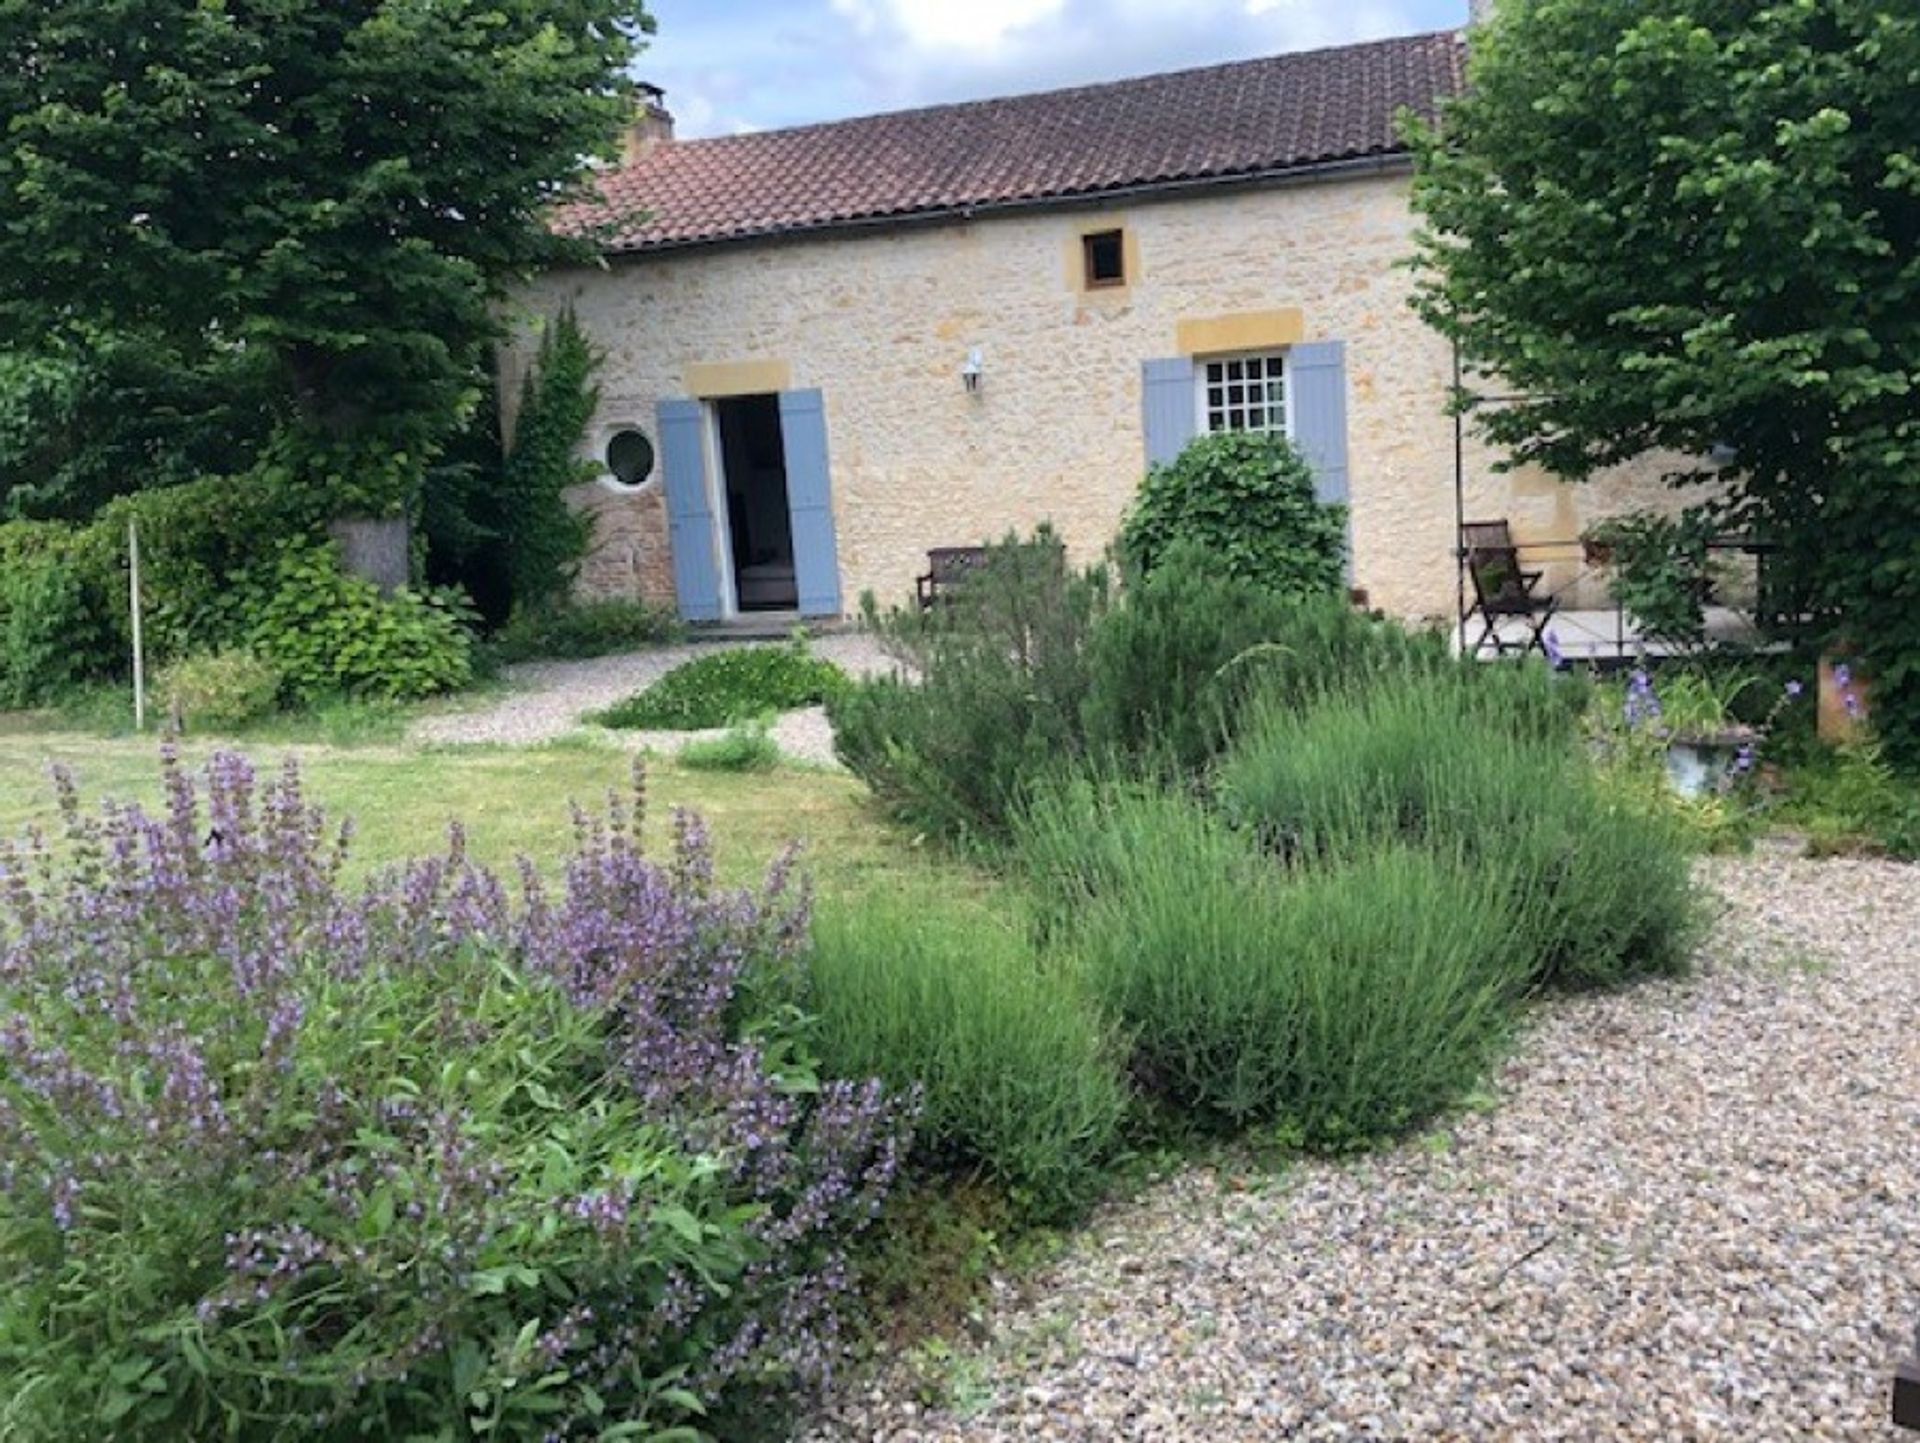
{"x": 87, "y": 415}
{"x": 344, "y": 187}
{"x": 1675, "y": 224}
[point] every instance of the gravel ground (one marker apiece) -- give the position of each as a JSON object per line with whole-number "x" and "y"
{"x": 549, "y": 698}
{"x": 1693, "y": 1214}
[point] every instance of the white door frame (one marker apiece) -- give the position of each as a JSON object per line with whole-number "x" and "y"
{"x": 716, "y": 471}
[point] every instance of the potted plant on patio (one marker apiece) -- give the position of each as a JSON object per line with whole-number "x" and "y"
{"x": 1702, "y": 744}
{"x": 1663, "y": 572}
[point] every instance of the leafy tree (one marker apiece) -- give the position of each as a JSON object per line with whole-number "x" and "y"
{"x": 87, "y": 415}
{"x": 345, "y": 188}
{"x": 1676, "y": 224}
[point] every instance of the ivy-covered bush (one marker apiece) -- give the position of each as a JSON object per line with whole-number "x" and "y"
{"x": 544, "y": 535}
{"x": 218, "y": 689}
{"x": 281, "y": 1158}
{"x": 330, "y": 633}
{"x": 1247, "y": 499}
{"x": 493, "y": 510}
{"x": 723, "y": 688}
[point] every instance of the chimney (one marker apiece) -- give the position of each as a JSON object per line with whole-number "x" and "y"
{"x": 652, "y": 124}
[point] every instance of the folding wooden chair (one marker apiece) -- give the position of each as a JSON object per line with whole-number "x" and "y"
{"x": 1503, "y": 590}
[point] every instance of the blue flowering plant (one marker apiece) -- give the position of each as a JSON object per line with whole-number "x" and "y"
{"x": 426, "y": 1157}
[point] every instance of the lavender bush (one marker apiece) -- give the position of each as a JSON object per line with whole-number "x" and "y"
{"x": 284, "y": 1159}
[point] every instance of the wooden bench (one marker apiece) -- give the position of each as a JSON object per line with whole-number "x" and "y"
{"x": 947, "y": 567}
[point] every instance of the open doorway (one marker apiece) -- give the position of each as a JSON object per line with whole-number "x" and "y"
{"x": 753, "y": 459}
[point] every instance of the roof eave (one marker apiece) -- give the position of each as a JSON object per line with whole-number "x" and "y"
{"x": 1379, "y": 163}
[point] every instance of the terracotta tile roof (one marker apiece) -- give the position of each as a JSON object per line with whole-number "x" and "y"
{"x": 1253, "y": 118}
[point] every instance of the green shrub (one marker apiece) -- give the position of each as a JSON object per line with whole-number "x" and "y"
{"x": 744, "y": 748}
{"x": 218, "y": 690}
{"x": 328, "y": 632}
{"x": 992, "y": 694}
{"x": 724, "y": 687}
{"x": 1018, "y": 1075}
{"x": 1035, "y": 669}
{"x": 1478, "y": 761}
{"x": 407, "y": 1160}
{"x": 1849, "y": 798}
{"x": 54, "y": 632}
{"x": 1079, "y": 838}
{"x": 580, "y": 630}
{"x": 1246, "y": 498}
{"x": 1170, "y": 666}
{"x": 1341, "y": 1003}
{"x": 1662, "y": 571}
{"x": 65, "y": 617}
{"x": 196, "y": 540}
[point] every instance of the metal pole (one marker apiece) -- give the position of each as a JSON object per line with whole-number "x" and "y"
{"x": 139, "y": 649}
{"x": 1460, "y": 500}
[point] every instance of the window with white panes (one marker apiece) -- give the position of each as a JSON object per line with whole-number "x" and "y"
{"x": 1244, "y": 393}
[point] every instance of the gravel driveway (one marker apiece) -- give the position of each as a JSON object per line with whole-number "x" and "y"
{"x": 550, "y": 697}
{"x": 1694, "y": 1214}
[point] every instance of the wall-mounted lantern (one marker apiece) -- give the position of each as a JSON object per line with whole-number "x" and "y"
{"x": 973, "y": 371}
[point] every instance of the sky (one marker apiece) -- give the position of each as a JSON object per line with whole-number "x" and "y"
{"x": 733, "y": 65}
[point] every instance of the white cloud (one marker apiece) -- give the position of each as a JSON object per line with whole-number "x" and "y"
{"x": 1039, "y": 44}
{"x": 738, "y": 64}
{"x": 976, "y": 26}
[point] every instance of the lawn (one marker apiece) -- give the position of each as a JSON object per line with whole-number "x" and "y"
{"x": 512, "y": 801}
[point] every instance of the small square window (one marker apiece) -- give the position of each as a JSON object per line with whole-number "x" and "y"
{"x": 1106, "y": 258}
{"x": 1245, "y": 393}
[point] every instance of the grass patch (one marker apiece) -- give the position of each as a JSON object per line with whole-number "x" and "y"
{"x": 333, "y": 721}
{"x": 727, "y": 687}
{"x": 745, "y": 748}
{"x": 514, "y": 801}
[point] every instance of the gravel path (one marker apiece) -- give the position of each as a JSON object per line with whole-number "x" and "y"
{"x": 550, "y": 697}
{"x": 1694, "y": 1214}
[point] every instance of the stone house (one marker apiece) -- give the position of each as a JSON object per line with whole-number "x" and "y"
{"x": 831, "y": 348}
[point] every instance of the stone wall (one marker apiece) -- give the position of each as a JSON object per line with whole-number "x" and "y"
{"x": 882, "y": 323}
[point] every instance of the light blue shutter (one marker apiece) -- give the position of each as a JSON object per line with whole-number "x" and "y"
{"x": 683, "y": 469}
{"x": 1318, "y": 374}
{"x": 1168, "y": 407}
{"x": 816, "y": 555}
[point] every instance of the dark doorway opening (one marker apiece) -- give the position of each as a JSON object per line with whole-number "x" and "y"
{"x": 753, "y": 457}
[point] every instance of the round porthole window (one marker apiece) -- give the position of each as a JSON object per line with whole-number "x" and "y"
{"x": 630, "y": 457}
